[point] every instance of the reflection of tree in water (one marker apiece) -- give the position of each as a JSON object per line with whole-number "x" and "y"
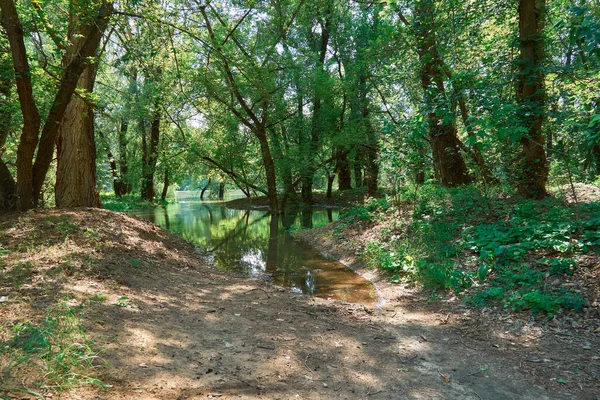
{"x": 307, "y": 219}
{"x": 255, "y": 243}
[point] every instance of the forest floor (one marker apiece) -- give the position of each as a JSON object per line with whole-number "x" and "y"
{"x": 169, "y": 326}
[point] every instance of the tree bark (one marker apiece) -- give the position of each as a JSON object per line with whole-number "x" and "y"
{"x": 76, "y": 151}
{"x": 31, "y": 178}
{"x": 7, "y": 183}
{"x": 29, "y": 111}
{"x": 125, "y": 185}
{"x": 151, "y": 157}
{"x": 269, "y": 164}
{"x": 447, "y": 159}
{"x": 88, "y": 39}
{"x": 531, "y": 92}
{"x": 343, "y": 171}
{"x": 166, "y": 183}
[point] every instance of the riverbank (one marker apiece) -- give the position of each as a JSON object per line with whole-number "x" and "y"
{"x": 144, "y": 316}
{"x": 320, "y": 201}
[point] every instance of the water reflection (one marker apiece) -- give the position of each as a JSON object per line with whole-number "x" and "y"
{"x": 258, "y": 244}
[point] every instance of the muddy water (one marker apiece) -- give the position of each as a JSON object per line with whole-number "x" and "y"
{"x": 260, "y": 245}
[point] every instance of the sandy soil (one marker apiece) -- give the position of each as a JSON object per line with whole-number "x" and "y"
{"x": 191, "y": 331}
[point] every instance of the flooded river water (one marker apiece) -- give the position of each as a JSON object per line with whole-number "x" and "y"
{"x": 261, "y": 246}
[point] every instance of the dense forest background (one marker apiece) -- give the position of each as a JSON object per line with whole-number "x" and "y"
{"x": 285, "y": 97}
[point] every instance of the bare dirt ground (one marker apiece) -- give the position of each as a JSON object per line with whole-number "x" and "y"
{"x": 190, "y": 331}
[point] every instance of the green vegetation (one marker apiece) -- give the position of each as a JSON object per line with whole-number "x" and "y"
{"x": 490, "y": 250}
{"x": 128, "y": 202}
{"x": 53, "y": 354}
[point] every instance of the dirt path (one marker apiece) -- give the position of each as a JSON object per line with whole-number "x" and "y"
{"x": 190, "y": 331}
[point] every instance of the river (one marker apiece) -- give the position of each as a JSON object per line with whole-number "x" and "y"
{"x": 261, "y": 246}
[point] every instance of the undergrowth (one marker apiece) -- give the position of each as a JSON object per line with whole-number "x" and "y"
{"x": 484, "y": 246}
{"x": 53, "y": 355}
{"x": 128, "y": 202}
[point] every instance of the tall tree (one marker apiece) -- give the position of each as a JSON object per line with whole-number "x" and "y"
{"x": 532, "y": 97}
{"x": 31, "y": 175}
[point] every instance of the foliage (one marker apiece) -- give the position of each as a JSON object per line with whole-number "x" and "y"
{"x": 492, "y": 250}
{"x": 128, "y": 202}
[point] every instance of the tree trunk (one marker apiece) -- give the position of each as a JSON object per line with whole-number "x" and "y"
{"x": 269, "y": 164}
{"x": 204, "y": 188}
{"x": 7, "y": 183}
{"x": 357, "y": 169}
{"x": 221, "y": 191}
{"x": 317, "y": 123}
{"x": 163, "y": 195}
{"x": 272, "y": 250}
{"x": 85, "y": 45}
{"x": 447, "y": 159}
{"x": 76, "y": 152}
{"x": 343, "y": 171}
{"x": 330, "y": 180}
{"x": 31, "y": 178}
{"x": 151, "y": 157}
{"x": 531, "y": 92}
{"x": 123, "y": 163}
{"x": 29, "y": 111}
{"x": 7, "y": 188}
{"x": 371, "y": 145}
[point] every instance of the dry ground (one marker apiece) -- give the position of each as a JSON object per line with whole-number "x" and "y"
{"x": 191, "y": 331}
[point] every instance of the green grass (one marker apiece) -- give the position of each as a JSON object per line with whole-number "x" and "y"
{"x": 487, "y": 247}
{"x": 53, "y": 355}
{"x": 129, "y": 202}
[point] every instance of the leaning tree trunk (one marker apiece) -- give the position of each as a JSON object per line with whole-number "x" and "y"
{"x": 447, "y": 159}
{"x": 534, "y": 170}
{"x": 166, "y": 183}
{"x": 76, "y": 151}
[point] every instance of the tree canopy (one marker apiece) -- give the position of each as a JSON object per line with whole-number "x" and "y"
{"x": 285, "y": 97}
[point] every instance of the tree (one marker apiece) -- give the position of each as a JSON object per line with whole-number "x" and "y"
{"x": 30, "y": 174}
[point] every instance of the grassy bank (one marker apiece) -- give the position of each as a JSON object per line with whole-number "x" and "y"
{"x": 130, "y": 202}
{"x": 490, "y": 249}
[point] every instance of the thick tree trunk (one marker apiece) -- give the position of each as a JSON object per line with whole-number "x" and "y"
{"x": 343, "y": 171}
{"x": 166, "y": 183}
{"x": 76, "y": 152}
{"x": 29, "y": 111}
{"x": 85, "y": 45}
{"x": 531, "y": 91}
{"x": 221, "y": 191}
{"x": 150, "y": 158}
{"x": 31, "y": 178}
{"x": 371, "y": 145}
{"x": 269, "y": 164}
{"x": 447, "y": 159}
